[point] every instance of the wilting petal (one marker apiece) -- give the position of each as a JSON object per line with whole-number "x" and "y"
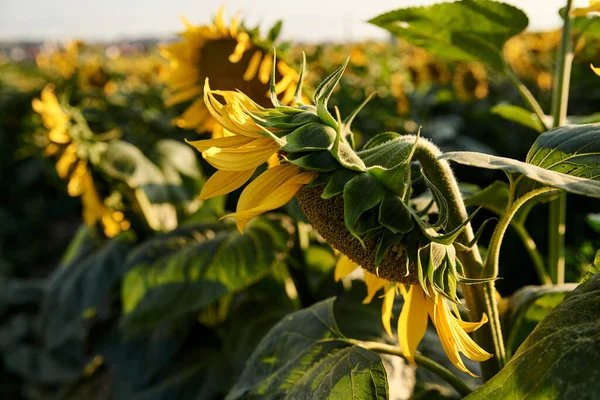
{"x": 412, "y": 323}
{"x": 223, "y": 182}
{"x": 272, "y": 189}
{"x": 374, "y": 283}
{"x": 454, "y": 338}
{"x": 387, "y": 306}
{"x": 344, "y": 267}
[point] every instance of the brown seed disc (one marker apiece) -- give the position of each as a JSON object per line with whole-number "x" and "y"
{"x": 327, "y": 217}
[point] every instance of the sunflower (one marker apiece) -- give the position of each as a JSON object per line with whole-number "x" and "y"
{"x": 418, "y": 308}
{"x": 594, "y": 7}
{"x": 470, "y": 82}
{"x": 357, "y": 201}
{"x": 73, "y": 166}
{"x": 231, "y": 59}
{"x": 62, "y": 61}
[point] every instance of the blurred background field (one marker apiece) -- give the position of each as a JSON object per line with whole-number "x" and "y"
{"x": 118, "y": 90}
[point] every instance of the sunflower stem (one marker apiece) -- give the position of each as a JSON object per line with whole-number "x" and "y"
{"x": 420, "y": 360}
{"x": 526, "y": 95}
{"x": 479, "y": 298}
{"x": 560, "y": 101}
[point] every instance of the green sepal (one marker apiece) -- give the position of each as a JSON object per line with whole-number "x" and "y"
{"x": 324, "y": 91}
{"x": 368, "y": 222}
{"x": 319, "y": 161}
{"x": 381, "y": 139}
{"x": 395, "y": 215}
{"x": 446, "y": 238}
{"x": 310, "y": 137}
{"x": 337, "y": 182}
{"x": 346, "y": 155}
{"x": 361, "y": 193}
{"x": 288, "y": 122}
{"x": 298, "y": 93}
{"x": 389, "y": 162}
{"x": 346, "y": 125}
{"x": 388, "y": 239}
{"x": 441, "y": 203}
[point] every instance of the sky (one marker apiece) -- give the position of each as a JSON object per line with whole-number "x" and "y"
{"x": 305, "y": 20}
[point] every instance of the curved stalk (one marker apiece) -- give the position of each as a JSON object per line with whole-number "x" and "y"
{"x": 493, "y": 256}
{"x": 479, "y": 298}
{"x": 526, "y": 95}
{"x": 534, "y": 254}
{"x": 421, "y": 360}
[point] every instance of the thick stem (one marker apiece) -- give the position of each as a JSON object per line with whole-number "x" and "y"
{"x": 477, "y": 297}
{"x": 560, "y": 101}
{"x": 421, "y": 360}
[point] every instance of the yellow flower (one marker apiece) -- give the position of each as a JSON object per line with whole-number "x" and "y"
{"x": 470, "y": 81}
{"x": 595, "y": 69}
{"x": 71, "y": 167}
{"x": 64, "y": 62}
{"x": 237, "y": 156}
{"x": 53, "y": 116}
{"x": 227, "y": 56}
{"x": 582, "y": 12}
{"x": 418, "y": 308}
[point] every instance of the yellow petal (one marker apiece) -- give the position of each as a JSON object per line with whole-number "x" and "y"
{"x": 66, "y": 160}
{"x": 344, "y": 267}
{"x": 582, "y": 12}
{"x": 244, "y": 43}
{"x": 374, "y": 283}
{"x": 454, "y": 338}
{"x": 595, "y": 69}
{"x": 223, "y": 182}
{"x": 195, "y": 115}
{"x": 183, "y": 95}
{"x": 272, "y": 189}
{"x": 224, "y": 142}
{"x": 387, "y": 306}
{"x": 264, "y": 73}
{"x": 412, "y": 323}
{"x": 253, "y": 66}
{"x": 273, "y": 160}
{"x": 220, "y": 20}
{"x": 77, "y": 181}
{"x": 252, "y": 155}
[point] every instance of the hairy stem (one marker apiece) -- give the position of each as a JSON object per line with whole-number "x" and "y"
{"x": 478, "y": 298}
{"x": 560, "y": 101}
{"x": 420, "y": 360}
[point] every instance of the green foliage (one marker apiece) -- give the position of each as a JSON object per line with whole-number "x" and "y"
{"x": 551, "y": 361}
{"x": 185, "y": 270}
{"x": 519, "y": 115}
{"x": 305, "y": 356}
{"x": 465, "y": 30}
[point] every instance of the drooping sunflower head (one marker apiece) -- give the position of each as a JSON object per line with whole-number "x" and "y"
{"x": 359, "y": 201}
{"x": 69, "y": 142}
{"x": 232, "y": 58}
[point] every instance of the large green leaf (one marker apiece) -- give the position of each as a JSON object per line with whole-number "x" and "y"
{"x": 527, "y": 307}
{"x": 573, "y": 184}
{"x": 465, "y": 30}
{"x": 560, "y": 359}
{"x": 78, "y": 287}
{"x": 177, "y": 274}
{"x": 305, "y": 356}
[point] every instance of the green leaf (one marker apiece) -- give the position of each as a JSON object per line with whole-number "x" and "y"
{"x": 527, "y": 307}
{"x": 79, "y": 286}
{"x": 306, "y": 357}
{"x": 573, "y": 184}
{"x": 493, "y": 197}
{"x": 174, "y": 275}
{"x": 519, "y": 115}
{"x": 560, "y": 358}
{"x": 464, "y": 30}
{"x": 275, "y": 31}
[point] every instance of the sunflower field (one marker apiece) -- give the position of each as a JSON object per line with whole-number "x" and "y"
{"x": 227, "y": 215}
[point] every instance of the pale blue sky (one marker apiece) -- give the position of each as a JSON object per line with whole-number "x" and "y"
{"x": 304, "y": 20}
